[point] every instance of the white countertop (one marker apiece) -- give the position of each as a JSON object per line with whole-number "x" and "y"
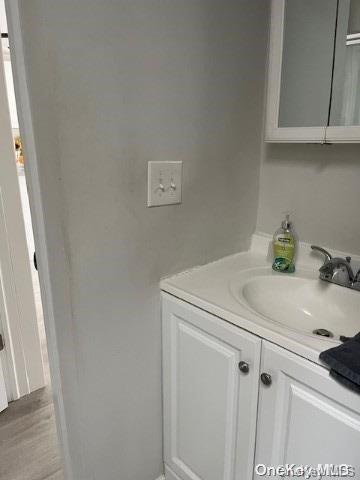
{"x": 208, "y": 287}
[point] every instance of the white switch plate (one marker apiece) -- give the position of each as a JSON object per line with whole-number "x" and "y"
{"x": 164, "y": 183}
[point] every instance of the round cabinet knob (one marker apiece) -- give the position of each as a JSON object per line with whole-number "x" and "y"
{"x": 266, "y": 379}
{"x": 244, "y": 367}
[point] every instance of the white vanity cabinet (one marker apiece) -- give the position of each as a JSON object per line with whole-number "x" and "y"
{"x": 210, "y": 406}
{"x": 305, "y": 417}
{"x": 220, "y": 421}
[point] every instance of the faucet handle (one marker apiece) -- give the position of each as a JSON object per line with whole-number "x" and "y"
{"x": 327, "y": 255}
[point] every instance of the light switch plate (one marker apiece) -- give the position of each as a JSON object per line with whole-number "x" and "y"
{"x": 164, "y": 183}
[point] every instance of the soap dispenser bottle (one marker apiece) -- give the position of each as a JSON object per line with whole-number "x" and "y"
{"x": 284, "y": 247}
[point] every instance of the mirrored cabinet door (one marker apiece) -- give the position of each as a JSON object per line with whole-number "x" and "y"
{"x": 345, "y": 100}
{"x": 307, "y": 62}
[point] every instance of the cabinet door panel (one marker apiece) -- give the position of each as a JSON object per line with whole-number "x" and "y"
{"x": 209, "y": 405}
{"x": 305, "y": 417}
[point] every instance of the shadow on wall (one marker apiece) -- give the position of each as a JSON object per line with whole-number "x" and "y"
{"x": 319, "y": 157}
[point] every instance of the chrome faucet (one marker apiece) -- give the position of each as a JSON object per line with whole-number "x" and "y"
{"x": 338, "y": 270}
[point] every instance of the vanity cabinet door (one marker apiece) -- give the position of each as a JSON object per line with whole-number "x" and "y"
{"x": 305, "y": 417}
{"x": 210, "y": 404}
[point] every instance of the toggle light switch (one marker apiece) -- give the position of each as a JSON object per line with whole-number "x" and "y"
{"x": 164, "y": 183}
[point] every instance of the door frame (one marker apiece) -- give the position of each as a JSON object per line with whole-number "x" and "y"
{"x": 53, "y": 267}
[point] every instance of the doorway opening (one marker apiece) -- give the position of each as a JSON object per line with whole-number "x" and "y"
{"x": 29, "y": 447}
{"x": 25, "y": 206}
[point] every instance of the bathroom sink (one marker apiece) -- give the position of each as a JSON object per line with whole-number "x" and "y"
{"x": 298, "y": 301}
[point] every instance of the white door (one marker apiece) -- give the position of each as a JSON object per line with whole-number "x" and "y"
{"x": 305, "y": 417}
{"x": 210, "y": 405}
{"x": 18, "y": 320}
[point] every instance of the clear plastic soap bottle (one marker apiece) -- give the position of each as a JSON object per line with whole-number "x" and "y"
{"x": 284, "y": 247}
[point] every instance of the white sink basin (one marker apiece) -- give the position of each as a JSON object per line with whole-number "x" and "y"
{"x": 298, "y": 301}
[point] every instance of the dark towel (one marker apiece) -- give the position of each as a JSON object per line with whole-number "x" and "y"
{"x": 344, "y": 361}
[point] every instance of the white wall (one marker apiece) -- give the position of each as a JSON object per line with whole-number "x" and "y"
{"x": 114, "y": 84}
{"x": 320, "y": 185}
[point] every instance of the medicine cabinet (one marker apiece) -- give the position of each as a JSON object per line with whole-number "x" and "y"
{"x": 313, "y": 91}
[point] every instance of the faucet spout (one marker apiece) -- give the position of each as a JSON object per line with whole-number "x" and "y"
{"x": 327, "y": 255}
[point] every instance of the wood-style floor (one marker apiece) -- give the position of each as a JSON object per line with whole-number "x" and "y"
{"x": 28, "y": 441}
